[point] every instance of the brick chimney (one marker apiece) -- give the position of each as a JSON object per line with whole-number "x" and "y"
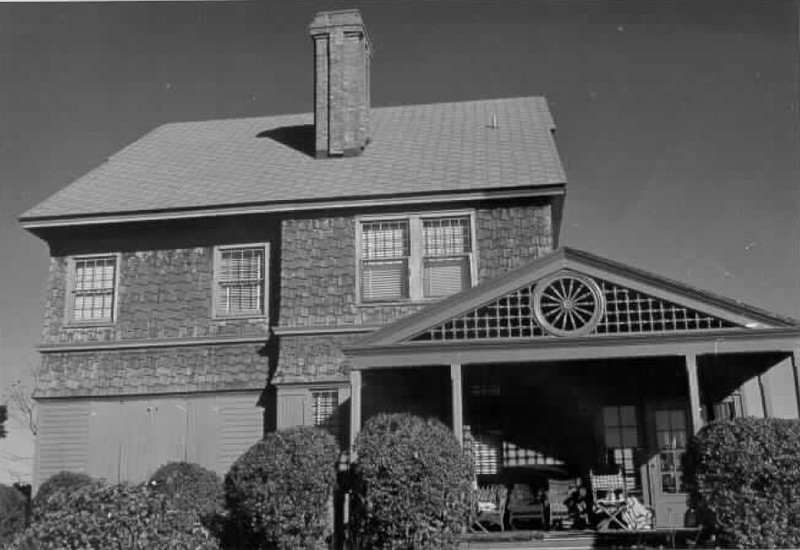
{"x": 341, "y": 90}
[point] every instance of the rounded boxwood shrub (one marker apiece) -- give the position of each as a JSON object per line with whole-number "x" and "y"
{"x": 279, "y": 491}
{"x": 101, "y": 517}
{"x": 192, "y": 490}
{"x": 744, "y": 481}
{"x": 12, "y": 512}
{"x": 62, "y": 481}
{"x": 412, "y": 484}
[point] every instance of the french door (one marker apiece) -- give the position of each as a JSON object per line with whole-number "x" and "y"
{"x": 668, "y": 434}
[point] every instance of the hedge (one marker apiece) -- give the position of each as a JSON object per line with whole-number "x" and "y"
{"x": 130, "y": 517}
{"x": 193, "y": 491}
{"x": 744, "y": 481}
{"x": 62, "y": 481}
{"x": 412, "y": 484}
{"x": 279, "y": 491}
{"x": 12, "y": 513}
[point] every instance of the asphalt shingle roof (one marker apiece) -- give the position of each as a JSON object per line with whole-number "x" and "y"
{"x": 413, "y": 150}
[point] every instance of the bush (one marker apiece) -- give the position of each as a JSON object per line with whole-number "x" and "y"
{"x": 119, "y": 516}
{"x": 744, "y": 480}
{"x": 62, "y": 481}
{"x": 278, "y": 492}
{"x": 12, "y": 512}
{"x": 412, "y": 484}
{"x": 192, "y": 490}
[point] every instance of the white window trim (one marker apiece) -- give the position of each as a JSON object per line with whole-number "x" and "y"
{"x": 415, "y": 259}
{"x": 215, "y": 282}
{"x": 69, "y": 301}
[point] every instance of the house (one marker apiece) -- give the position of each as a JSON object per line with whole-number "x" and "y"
{"x": 219, "y": 279}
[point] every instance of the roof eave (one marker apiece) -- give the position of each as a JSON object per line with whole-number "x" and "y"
{"x": 46, "y": 222}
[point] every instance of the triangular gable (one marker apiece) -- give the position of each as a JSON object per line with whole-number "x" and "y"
{"x": 571, "y": 293}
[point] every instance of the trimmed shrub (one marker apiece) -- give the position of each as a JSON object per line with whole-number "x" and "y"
{"x": 744, "y": 481}
{"x": 62, "y": 481}
{"x": 412, "y": 484}
{"x": 191, "y": 490}
{"x": 117, "y": 516}
{"x": 12, "y": 512}
{"x": 279, "y": 491}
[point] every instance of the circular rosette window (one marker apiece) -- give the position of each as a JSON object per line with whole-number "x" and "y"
{"x": 568, "y": 304}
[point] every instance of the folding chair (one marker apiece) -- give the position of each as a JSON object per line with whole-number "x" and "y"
{"x": 610, "y": 498}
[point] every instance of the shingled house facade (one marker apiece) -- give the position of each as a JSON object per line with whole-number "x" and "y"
{"x": 219, "y": 279}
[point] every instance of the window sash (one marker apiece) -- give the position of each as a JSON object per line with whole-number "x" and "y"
{"x": 241, "y": 272}
{"x": 93, "y": 286}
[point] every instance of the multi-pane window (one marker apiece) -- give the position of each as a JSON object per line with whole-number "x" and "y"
{"x": 415, "y": 257}
{"x": 621, "y": 433}
{"x": 240, "y": 278}
{"x": 324, "y": 405}
{"x": 93, "y": 281}
{"x": 671, "y": 437}
{"x": 446, "y": 255}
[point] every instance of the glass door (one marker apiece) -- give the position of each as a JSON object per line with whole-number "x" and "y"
{"x": 665, "y": 467}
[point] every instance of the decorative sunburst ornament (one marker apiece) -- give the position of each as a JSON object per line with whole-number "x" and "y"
{"x": 568, "y": 304}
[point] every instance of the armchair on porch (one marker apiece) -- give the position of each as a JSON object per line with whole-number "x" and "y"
{"x": 524, "y": 504}
{"x": 558, "y": 493}
{"x": 490, "y": 507}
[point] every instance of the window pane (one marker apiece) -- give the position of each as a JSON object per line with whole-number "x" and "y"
{"x": 384, "y": 280}
{"x": 447, "y": 236}
{"x": 445, "y": 277}
{"x": 630, "y": 437}
{"x": 677, "y": 419}
{"x": 385, "y": 240}
{"x": 662, "y": 420}
{"x": 610, "y": 416}
{"x": 613, "y": 438}
{"x": 628, "y": 415}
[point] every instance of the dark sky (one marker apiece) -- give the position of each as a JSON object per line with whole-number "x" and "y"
{"x": 677, "y": 121}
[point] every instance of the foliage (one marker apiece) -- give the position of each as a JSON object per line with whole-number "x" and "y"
{"x": 112, "y": 517}
{"x": 278, "y": 492}
{"x": 192, "y": 490}
{"x": 12, "y": 512}
{"x": 744, "y": 479}
{"x": 412, "y": 484}
{"x": 21, "y": 405}
{"x": 62, "y": 481}
{"x": 3, "y": 418}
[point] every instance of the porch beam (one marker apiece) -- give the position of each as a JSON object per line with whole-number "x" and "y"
{"x": 355, "y": 409}
{"x": 457, "y": 401}
{"x": 694, "y": 392}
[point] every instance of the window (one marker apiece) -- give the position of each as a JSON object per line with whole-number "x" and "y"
{"x": 240, "y": 277}
{"x": 621, "y": 433}
{"x": 324, "y": 410}
{"x": 93, "y": 283}
{"x": 415, "y": 257}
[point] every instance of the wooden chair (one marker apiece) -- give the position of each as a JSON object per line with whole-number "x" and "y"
{"x": 610, "y": 496}
{"x": 523, "y": 504}
{"x": 558, "y": 491}
{"x": 490, "y": 507}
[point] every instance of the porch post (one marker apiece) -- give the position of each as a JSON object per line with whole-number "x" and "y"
{"x": 796, "y": 370}
{"x": 766, "y": 396}
{"x": 457, "y": 401}
{"x": 694, "y": 392}
{"x": 355, "y": 408}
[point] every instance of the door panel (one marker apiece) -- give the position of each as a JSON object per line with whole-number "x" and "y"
{"x": 669, "y": 431}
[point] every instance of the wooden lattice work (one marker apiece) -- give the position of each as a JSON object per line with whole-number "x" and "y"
{"x": 619, "y": 310}
{"x": 629, "y": 311}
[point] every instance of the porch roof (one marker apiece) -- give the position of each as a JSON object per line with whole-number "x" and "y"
{"x": 454, "y": 330}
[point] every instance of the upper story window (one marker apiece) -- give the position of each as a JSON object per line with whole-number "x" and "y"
{"x": 415, "y": 257}
{"x": 93, "y": 281}
{"x": 240, "y": 280}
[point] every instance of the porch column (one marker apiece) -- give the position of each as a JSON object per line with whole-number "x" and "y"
{"x": 694, "y": 392}
{"x": 457, "y": 400}
{"x": 796, "y": 371}
{"x": 355, "y": 408}
{"x": 766, "y": 396}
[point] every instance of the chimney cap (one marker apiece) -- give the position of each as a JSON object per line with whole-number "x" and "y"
{"x": 324, "y": 21}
